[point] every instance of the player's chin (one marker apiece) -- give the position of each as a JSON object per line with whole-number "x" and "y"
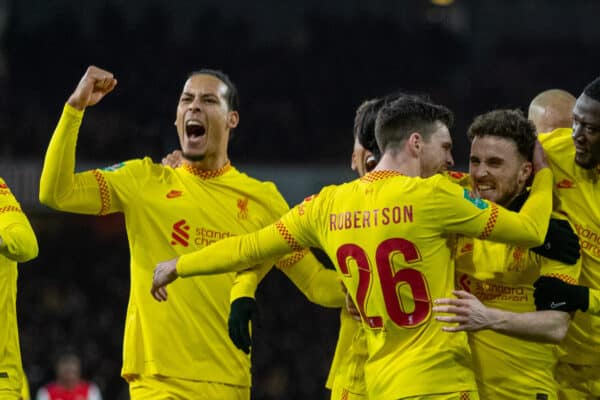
{"x": 584, "y": 160}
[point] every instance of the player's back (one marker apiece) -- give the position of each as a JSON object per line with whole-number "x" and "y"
{"x": 385, "y": 232}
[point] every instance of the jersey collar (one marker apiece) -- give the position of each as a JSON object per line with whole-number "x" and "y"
{"x": 207, "y": 174}
{"x": 378, "y": 175}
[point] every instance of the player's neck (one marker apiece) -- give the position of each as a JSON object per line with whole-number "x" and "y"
{"x": 210, "y": 163}
{"x": 401, "y": 162}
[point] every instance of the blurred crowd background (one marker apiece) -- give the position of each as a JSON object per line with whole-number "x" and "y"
{"x": 302, "y": 68}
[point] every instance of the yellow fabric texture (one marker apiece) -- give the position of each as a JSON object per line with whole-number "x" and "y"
{"x": 20, "y": 244}
{"x": 168, "y": 213}
{"x": 160, "y": 388}
{"x": 347, "y": 373}
{"x": 389, "y": 235}
{"x": 318, "y": 284}
{"x": 502, "y": 277}
{"x": 576, "y": 196}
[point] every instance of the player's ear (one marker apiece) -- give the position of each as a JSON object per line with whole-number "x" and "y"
{"x": 415, "y": 143}
{"x": 233, "y": 119}
{"x": 525, "y": 172}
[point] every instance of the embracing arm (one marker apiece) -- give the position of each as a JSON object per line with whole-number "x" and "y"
{"x": 319, "y": 284}
{"x": 471, "y": 315}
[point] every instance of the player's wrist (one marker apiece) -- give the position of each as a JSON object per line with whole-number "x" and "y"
{"x": 495, "y": 319}
{"x": 76, "y": 103}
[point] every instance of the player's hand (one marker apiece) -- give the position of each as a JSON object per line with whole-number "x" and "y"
{"x": 173, "y": 159}
{"x": 554, "y": 294}
{"x": 539, "y": 157}
{"x": 561, "y": 243}
{"x": 350, "y": 306}
{"x": 164, "y": 273}
{"x": 470, "y": 314}
{"x": 243, "y": 312}
{"x": 93, "y": 86}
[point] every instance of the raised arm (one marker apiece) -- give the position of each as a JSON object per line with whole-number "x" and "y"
{"x": 60, "y": 187}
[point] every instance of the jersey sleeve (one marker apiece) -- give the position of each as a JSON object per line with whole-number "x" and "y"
{"x": 17, "y": 239}
{"x": 459, "y": 211}
{"x": 319, "y": 284}
{"x": 594, "y": 302}
{"x": 556, "y": 269}
{"x": 272, "y": 242}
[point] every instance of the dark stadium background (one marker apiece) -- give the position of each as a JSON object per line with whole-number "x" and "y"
{"x": 302, "y": 68}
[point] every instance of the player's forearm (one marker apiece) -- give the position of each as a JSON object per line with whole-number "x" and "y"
{"x": 234, "y": 254}
{"x": 58, "y": 172}
{"x": 528, "y": 228}
{"x": 540, "y": 326}
{"x": 320, "y": 285}
{"x": 60, "y": 187}
{"x": 594, "y": 307}
{"x": 18, "y": 241}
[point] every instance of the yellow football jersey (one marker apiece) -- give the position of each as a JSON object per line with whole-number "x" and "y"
{"x": 389, "y": 237}
{"x": 502, "y": 277}
{"x": 20, "y": 244}
{"x": 348, "y": 366}
{"x": 168, "y": 212}
{"x": 576, "y": 192}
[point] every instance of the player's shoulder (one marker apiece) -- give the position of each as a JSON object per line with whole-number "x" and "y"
{"x": 557, "y": 138}
{"x": 458, "y": 177}
{"x": 4, "y": 188}
{"x": 137, "y": 167}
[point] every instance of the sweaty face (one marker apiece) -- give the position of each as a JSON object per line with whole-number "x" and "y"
{"x": 498, "y": 172}
{"x": 203, "y": 118}
{"x": 436, "y": 156}
{"x": 586, "y": 132}
{"x": 363, "y": 160}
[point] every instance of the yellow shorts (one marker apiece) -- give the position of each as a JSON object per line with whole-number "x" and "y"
{"x": 446, "y": 396}
{"x": 577, "y": 382}
{"x": 167, "y": 388}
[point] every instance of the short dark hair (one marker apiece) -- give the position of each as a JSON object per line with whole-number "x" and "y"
{"x": 508, "y": 124}
{"x": 406, "y": 114}
{"x": 232, "y": 96}
{"x": 593, "y": 89}
{"x": 364, "y": 124}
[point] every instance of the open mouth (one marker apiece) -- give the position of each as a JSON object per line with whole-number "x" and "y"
{"x": 194, "y": 129}
{"x": 484, "y": 187}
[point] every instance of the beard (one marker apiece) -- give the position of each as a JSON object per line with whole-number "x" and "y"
{"x": 586, "y": 162}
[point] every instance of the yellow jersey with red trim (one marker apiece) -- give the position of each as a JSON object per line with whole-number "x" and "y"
{"x": 502, "y": 277}
{"x": 168, "y": 212}
{"x": 576, "y": 193}
{"x": 389, "y": 236}
{"x": 19, "y": 245}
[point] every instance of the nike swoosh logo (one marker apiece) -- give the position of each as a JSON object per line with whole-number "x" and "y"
{"x": 554, "y": 305}
{"x": 565, "y": 184}
{"x": 174, "y": 193}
